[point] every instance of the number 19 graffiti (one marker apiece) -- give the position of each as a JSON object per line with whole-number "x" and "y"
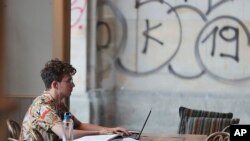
{"x": 229, "y": 46}
{"x": 235, "y": 38}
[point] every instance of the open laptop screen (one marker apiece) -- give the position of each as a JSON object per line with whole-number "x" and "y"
{"x": 138, "y": 136}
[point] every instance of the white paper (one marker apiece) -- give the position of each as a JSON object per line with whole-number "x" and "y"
{"x": 129, "y": 139}
{"x": 98, "y": 138}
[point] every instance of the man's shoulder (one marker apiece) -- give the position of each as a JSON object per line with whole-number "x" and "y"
{"x": 43, "y": 99}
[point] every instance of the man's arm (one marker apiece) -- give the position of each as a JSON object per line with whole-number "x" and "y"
{"x": 86, "y": 129}
{"x": 58, "y": 130}
{"x": 89, "y": 127}
{"x": 101, "y": 129}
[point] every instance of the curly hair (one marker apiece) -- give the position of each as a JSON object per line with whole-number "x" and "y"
{"x": 54, "y": 70}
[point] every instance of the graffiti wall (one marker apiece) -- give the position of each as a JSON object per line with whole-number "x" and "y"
{"x": 195, "y": 45}
{"x": 168, "y": 53}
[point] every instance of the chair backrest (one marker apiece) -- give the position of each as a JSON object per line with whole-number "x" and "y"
{"x": 218, "y": 136}
{"x": 207, "y": 126}
{"x": 36, "y": 135}
{"x": 13, "y": 129}
{"x": 186, "y": 113}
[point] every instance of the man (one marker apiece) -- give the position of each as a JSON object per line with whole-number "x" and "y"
{"x": 46, "y": 112}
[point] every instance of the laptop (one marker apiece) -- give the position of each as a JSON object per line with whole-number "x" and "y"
{"x": 137, "y": 135}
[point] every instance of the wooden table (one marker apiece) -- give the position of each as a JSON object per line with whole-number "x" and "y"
{"x": 172, "y": 137}
{"x": 147, "y": 137}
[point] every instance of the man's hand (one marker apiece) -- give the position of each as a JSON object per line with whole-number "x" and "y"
{"x": 116, "y": 130}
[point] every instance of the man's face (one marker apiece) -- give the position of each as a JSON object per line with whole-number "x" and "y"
{"x": 66, "y": 86}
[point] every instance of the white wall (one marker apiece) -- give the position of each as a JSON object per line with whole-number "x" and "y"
{"x": 79, "y": 98}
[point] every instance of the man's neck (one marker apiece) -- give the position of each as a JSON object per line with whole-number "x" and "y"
{"x": 55, "y": 96}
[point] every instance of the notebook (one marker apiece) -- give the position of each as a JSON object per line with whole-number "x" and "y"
{"x": 98, "y": 137}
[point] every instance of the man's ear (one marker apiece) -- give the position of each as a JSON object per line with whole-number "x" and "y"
{"x": 54, "y": 84}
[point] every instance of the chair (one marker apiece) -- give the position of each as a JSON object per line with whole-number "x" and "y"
{"x": 218, "y": 136}
{"x": 13, "y": 129}
{"x": 185, "y": 113}
{"x": 36, "y": 135}
{"x": 226, "y": 129}
{"x": 11, "y": 139}
{"x": 207, "y": 126}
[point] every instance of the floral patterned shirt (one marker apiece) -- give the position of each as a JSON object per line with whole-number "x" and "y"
{"x": 42, "y": 115}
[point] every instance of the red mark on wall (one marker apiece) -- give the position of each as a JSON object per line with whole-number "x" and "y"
{"x": 78, "y": 7}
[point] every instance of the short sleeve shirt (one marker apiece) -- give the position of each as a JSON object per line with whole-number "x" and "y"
{"x": 42, "y": 115}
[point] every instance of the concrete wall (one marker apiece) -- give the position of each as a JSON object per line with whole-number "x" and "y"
{"x": 169, "y": 53}
{"x": 28, "y": 44}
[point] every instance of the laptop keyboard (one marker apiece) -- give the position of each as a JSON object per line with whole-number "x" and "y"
{"x": 133, "y": 135}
